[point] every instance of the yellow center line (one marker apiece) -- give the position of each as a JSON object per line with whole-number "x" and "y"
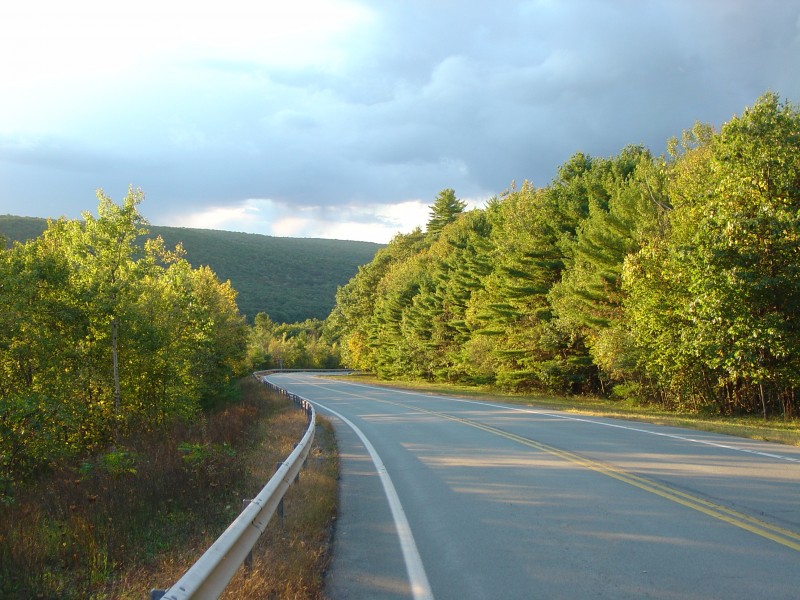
{"x": 782, "y": 536}
{"x": 777, "y": 534}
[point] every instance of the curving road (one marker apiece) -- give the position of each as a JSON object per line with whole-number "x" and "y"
{"x": 451, "y": 498}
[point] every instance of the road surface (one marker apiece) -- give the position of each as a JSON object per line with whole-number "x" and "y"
{"x": 451, "y": 498}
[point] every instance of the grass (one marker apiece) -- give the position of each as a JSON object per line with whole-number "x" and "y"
{"x": 117, "y": 527}
{"x": 291, "y": 557}
{"x": 747, "y": 426}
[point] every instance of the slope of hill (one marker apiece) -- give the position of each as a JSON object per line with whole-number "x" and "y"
{"x": 291, "y": 279}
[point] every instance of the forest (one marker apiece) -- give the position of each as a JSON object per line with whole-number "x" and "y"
{"x": 291, "y": 279}
{"x": 669, "y": 279}
{"x": 102, "y": 333}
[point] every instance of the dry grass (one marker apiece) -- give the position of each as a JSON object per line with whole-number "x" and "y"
{"x": 290, "y": 559}
{"x": 748, "y": 426}
{"x": 105, "y": 531}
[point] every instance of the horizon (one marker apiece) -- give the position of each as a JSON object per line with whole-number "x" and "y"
{"x": 343, "y": 119}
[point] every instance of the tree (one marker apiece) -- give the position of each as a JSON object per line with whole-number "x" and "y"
{"x": 726, "y": 276}
{"x": 351, "y": 322}
{"x": 291, "y": 345}
{"x": 102, "y": 251}
{"x": 530, "y": 231}
{"x": 444, "y": 210}
{"x": 460, "y": 264}
{"x": 261, "y": 333}
{"x": 588, "y": 300}
{"x": 103, "y": 331}
{"x": 40, "y": 421}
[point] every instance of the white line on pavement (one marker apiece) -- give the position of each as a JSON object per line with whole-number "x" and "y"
{"x": 566, "y": 417}
{"x": 420, "y": 587}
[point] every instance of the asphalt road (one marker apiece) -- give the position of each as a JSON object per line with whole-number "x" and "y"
{"x": 451, "y": 498}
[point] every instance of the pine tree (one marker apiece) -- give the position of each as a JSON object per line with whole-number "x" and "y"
{"x": 444, "y": 210}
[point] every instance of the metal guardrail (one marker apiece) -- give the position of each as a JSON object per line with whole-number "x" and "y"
{"x": 212, "y": 572}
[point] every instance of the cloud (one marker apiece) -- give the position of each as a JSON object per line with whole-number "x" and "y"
{"x": 367, "y": 222}
{"x": 370, "y": 105}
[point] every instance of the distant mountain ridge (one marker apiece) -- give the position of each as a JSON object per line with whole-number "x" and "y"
{"x": 291, "y": 279}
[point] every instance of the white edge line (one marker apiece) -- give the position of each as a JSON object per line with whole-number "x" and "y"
{"x": 420, "y": 587}
{"x": 594, "y": 422}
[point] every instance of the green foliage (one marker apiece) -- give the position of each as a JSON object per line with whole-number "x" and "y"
{"x": 627, "y": 209}
{"x": 35, "y": 431}
{"x": 290, "y": 346}
{"x": 444, "y": 211}
{"x": 290, "y": 279}
{"x": 104, "y": 332}
{"x": 118, "y": 462}
{"x": 353, "y": 322}
{"x": 670, "y": 279}
{"x": 726, "y": 278}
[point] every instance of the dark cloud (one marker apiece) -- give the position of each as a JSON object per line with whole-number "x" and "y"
{"x": 426, "y": 96}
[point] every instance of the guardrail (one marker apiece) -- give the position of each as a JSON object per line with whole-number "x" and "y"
{"x": 212, "y": 572}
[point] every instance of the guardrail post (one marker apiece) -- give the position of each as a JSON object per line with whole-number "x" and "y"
{"x": 279, "y": 509}
{"x": 248, "y": 561}
{"x": 157, "y": 594}
{"x": 297, "y": 477}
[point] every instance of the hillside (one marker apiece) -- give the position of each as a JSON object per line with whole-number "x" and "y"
{"x": 291, "y": 279}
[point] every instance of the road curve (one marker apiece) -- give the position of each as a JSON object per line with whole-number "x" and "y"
{"x": 451, "y": 498}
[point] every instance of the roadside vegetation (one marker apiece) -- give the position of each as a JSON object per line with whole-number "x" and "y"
{"x": 664, "y": 281}
{"x": 126, "y": 443}
{"x": 104, "y": 333}
{"x": 754, "y": 426}
{"x": 121, "y": 523}
{"x": 304, "y": 345}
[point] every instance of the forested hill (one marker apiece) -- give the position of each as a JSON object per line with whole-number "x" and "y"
{"x": 291, "y": 279}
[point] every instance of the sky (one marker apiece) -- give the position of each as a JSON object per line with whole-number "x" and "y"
{"x": 345, "y": 118}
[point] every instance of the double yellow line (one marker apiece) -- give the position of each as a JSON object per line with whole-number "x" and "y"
{"x": 777, "y": 534}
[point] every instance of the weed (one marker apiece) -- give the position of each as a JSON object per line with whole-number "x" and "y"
{"x": 136, "y": 517}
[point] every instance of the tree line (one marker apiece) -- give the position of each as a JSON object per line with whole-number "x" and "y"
{"x": 301, "y": 345}
{"x": 291, "y": 279}
{"x": 104, "y": 331}
{"x": 672, "y": 279}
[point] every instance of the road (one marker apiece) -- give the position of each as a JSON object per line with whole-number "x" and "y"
{"x": 452, "y": 498}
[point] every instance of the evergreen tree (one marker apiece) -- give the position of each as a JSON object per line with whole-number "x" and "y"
{"x": 351, "y": 322}
{"x": 588, "y": 301}
{"x": 444, "y": 210}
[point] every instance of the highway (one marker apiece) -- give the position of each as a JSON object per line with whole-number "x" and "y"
{"x": 444, "y": 497}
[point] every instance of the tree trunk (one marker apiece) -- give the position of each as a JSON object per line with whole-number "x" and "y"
{"x": 115, "y": 361}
